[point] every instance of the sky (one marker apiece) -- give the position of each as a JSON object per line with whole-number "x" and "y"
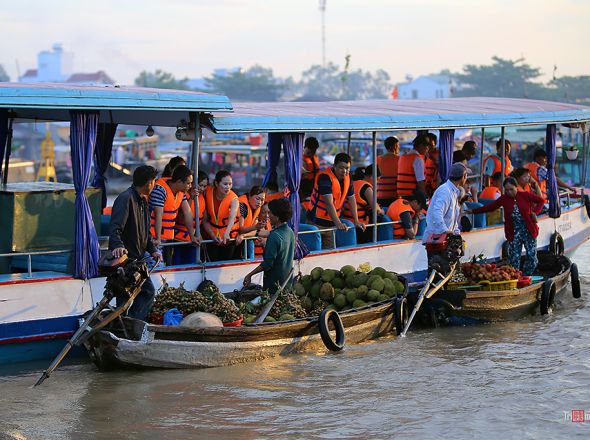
{"x": 190, "y": 38}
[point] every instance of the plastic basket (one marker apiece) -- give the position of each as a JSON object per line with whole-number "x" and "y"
{"x": 236, "y": 323}
{"x": 524, "y": 281}
{"x": 455, "y": 286}
{"x": 499, "y": 285}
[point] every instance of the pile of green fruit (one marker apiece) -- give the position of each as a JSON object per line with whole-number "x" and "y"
{"x": 286, "y": 307}
{"x": 346, "y": 288}
{"x": 210, "y": 300}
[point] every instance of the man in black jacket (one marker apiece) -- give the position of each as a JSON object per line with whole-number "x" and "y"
{"x": 130, "y": 232}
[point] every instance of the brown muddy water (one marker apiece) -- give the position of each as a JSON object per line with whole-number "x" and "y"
{"x": 509, "y": 380}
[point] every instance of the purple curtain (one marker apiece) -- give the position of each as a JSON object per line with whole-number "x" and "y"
{"x": 102, "y": 157}
{"x": 552, "y": 189}
{"x": 3, "y": 137}
{"x": 446, "y": 144}
{"x": 274, "y": 153}
{"x": 293, "y": 151}
{"x": 83, "y": 128}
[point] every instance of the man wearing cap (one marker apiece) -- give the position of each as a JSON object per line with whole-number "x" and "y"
{"x": 444, "y": 212}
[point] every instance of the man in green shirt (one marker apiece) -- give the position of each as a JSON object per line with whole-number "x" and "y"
{"x": 279, "y": 250}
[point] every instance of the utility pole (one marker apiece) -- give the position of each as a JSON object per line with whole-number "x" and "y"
{"x": 323, "y": 11}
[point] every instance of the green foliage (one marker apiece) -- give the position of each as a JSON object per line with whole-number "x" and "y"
{"x": 160, "y": 80}
{"x": 255, "y": 84}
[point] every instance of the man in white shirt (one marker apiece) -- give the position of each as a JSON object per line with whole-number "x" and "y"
{"x": 444, "y": 211}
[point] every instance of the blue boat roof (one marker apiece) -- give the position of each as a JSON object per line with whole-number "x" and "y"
{"x": 384, "y": 115}
{"x": 123, "y": 105}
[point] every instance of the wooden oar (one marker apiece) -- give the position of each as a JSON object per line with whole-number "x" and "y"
{"x": 266, "y": 309}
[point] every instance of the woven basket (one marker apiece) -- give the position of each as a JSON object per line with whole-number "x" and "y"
{"x": 499, "y": 285}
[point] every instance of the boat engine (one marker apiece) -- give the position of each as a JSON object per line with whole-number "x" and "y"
{"x": 121, "y": 282}
{"x": 444, "y": 251}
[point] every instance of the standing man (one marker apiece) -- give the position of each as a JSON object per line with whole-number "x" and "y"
{"x": 444, "y": 211}
{"x": 387, "y": 165}
{"x": 331, "y": 190}
{"x": 130, "y": 233}
{"x": 311, "y": 163}
{"x": 493, "y": 163}
{"x": 410, "y": 170}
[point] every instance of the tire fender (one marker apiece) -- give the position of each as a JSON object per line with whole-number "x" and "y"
{"x": 575, "y": 279}
{"x": 547, "y": 296}
{"x": 325, "y": 317}
{"x": 401, "y": 314}
{"x": 556, "y": 244}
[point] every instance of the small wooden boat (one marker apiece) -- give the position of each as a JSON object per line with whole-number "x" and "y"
{"x": 464, "y": 307}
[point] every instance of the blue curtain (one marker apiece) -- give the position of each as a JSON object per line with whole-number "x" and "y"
{"x": 83, "y": 128}
{"x": 102, "y": 157}
{"x": 293, "y": 151}
{"x": 446, "y": 144}
{"x": 552, "y": 189}
{"x": 3, "y": 136}
{"x": 274, "y": 153}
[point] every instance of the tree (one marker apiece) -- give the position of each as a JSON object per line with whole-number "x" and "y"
{"x": 255, "y": 84}
{"x": 503, "y": 78}
{"x": 570, "y": 88}
{"x": 3, "y": 75}
{"x": 160, "y": 80}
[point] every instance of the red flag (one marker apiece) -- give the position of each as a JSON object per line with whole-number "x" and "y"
{"x": 394, "y": 94}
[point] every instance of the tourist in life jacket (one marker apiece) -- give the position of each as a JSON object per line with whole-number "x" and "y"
{"x": 305, "y": 190}
{"x": 387, "y": 164}
{"x": 493, "y": 163}
{"x": 167, "y": 200}
{"x": 407, "y": 213}
{"x": 262, "y": 234}
{"x": 250, "y": 205}
{"x": 311, "y": 163}
{"x": 130, "y": 234}
{"x": 277, "y": 260}
{"x": 444, "y": 211}
{"x": 220, "y": 222}
{"x": 493, "y": 191}
{"x": 431, "y": 164}
{"x": 272, "y": 192}
{"x": 538, "y": 169}
{"x": 524, "y": 181}
{"x": 172, "y": 164}
{"x": 196, "y": 202}
{"x": 362, "y": 183}
{"x": 332, "y": 188}
{"x": 410, "y": 169}
{"x": 520, "y": 227}
{"x": 466, "y": 153}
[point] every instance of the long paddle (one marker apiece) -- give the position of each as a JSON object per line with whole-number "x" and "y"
{"x": 266, "y": 309}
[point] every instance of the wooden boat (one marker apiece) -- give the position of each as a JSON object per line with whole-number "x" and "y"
{"x": 464, "y": 307}
{"x": 141, "y": 344}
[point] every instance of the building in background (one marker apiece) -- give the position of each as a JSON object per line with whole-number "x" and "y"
{"x": 426, "y": 87}
{"x": 55, "y": 65}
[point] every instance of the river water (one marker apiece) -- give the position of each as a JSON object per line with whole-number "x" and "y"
{"x": 509, "y": 380}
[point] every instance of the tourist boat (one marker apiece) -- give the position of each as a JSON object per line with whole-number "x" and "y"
{"x": 464, "y": 306}
{"x": 41, "y": 307}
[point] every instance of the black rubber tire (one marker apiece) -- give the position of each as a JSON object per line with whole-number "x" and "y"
{"x": 401, "y": 314}
{"x": 587, "y": 204}
{"x": 556, "y": 244}
{"x": 575, "y": 278}
{"x": 505, "y": 250}
{"x": 547, "y": 296}
{"x": 331, "y": 315}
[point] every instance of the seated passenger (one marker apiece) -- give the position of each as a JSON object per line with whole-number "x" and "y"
{"x": 362, "y": 182}
{"x": 538, "y": 169}
{"x": 305, "y": 190}
{"x": 272, "y": 191}
{"x": 262, "y": 233}
{"x": 221, "y": 220}
{"x": 524, "y": 181}
{"x": 492, "y": 192}
{"x": 387, "y": 165}
{"x": 311, "y": 163}
{"x": 331, "y": 189}
{"x": 250, "y": 205}
{"x": 407, "y": 212}
{"x": 172, "y": 164}
{"x": 431, "y": 165}
{"x": 466, "y": 153}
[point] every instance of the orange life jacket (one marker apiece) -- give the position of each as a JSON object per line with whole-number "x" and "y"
{"x": 498, "y": 164}
{"x": 430, "y": 173}
{"x": 533, "y": 167}
{"x": 394, "y": 212}
{"x": 527, "y": 188}
{"x": 490, "y": 192}
{"x": 277, "y": 195}
{"x": 220, "y": 219}
{"x": 180, "y": 229}
{"x": 338, "y": 195}
{"x": 252, "y": 215}
{"x": 258, "y": 249}
{"x": 406, "y": 177}
{"x": 307, "y": 204}
{"x": 387, "y": 181}
{"x": 171, "y": 205}
{"x": 311, "y": 164}
{"x": 362, "y": 207}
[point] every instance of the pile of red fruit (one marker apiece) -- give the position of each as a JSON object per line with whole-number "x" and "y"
{"x": 489, "y": 272}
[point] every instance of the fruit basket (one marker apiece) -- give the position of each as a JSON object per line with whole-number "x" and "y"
{"x": 499, "y": 285}
{"x": 236, "y": 323}
{"x": 524, "y": 281}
